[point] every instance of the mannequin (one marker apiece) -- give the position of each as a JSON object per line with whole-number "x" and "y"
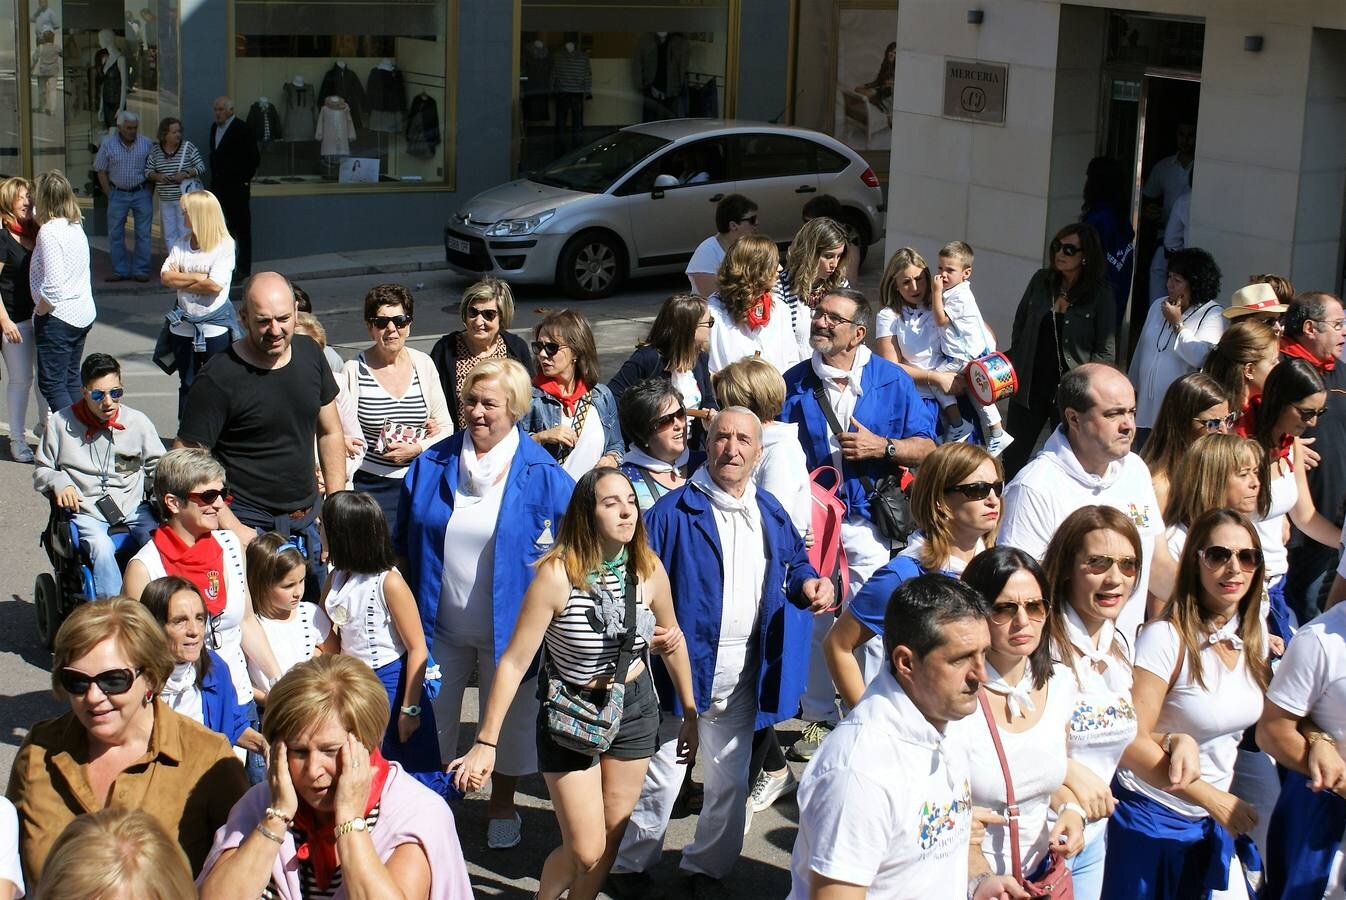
{"x": 535, "y": 91}
{"x": 112, "y": 99}
{"x": 336, "y": 130}
{"x": 387, "y": 96}
{"x": 661, "y": 67}
{"x": 300, "y": 110}
{"x": 340, "y": 81}
{"x": 571, "y": 84}
{"x": 264, "y": 121}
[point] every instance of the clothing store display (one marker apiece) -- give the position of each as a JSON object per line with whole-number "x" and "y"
{"x": 301, "y": 112}
{"x": 336, "y": 127}
{"x": 110, "y": 90}
{"x": 423, "y": 127}
{"x": 703, "y": 100}
{"x": 571, "y": 72}
{"x": 264, "y": 122}
{"x": 661, "y": 64}
{"x": 386, "y": 94}
{"x": 342, "y": 82}
{"x": 233, "y": 163}
{"x": 535, "y": 87}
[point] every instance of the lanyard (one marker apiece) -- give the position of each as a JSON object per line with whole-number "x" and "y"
{"x": 105, "y": 464}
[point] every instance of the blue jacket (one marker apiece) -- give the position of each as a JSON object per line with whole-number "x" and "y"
{"x": 546, "y": 413}
{"x": 220, "y": 709}
{"x": 536, "y": 493}
{"x": 888, "y": 406}
{"x": 683, "y": 534}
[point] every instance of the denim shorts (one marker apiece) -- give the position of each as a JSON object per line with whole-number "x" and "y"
{"x": 637, "y": 736}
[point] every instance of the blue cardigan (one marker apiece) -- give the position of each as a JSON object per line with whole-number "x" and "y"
{"x": 889, "y": 406}
{"x": 220, "y": 709}
{"x": 537, "y": 491}
{"x": 684, "y": 535}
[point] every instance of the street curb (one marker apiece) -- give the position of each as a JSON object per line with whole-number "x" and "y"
{"x": 153, "y": 287}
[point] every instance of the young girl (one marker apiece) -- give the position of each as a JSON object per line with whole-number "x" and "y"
{"x": 294, "y": 629}
{"x": 906, "y": 329}
{"x": 375, "y": 619}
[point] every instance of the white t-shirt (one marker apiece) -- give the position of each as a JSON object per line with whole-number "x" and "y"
{"x": 359, "y": 611}
{"x": 292, "y": 640}
{"x": 10, "y": 868}
{"x": 1271, "y": 530}
{"x": 219, "y": 264}
{"x": 1037, "y": 763}
{"x": 729, "y": 342}
{"x": 1310, "y": 679}
{"x": 916, "y": 335}
{"x": 1215, "y": 716}
{"x": 466, "y": 608}
{"x": 886, "y": 803}
{"x": 965, "y": 337}
{"x": 1168, "y": 179}
{"x": 707, "y": 257}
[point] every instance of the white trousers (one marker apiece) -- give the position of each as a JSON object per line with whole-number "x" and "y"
{"x": 725, "y": 752}
{"x": 866, "y": 551}
{"x": 174, "y": 228}
{"x": 457, "y": 657}
{"x": 19, "y": 360}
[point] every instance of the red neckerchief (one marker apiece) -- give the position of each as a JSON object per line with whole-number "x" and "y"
{"x": 1284, "y": 451}
{"x": 92, "y": 424}
{"x": 202, "y": 564}
{"x": 1299, "y": 351}
{"x": 1246, "y": 424}
{"x": 25, "y": 229}
{"x": 319, "y": 846}
{"x": 551, "y": 386}
{"x": 760, "y": 312}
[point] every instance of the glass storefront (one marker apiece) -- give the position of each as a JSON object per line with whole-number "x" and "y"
{"x": 344, "y": 94}
{"x": 586, "y": 69}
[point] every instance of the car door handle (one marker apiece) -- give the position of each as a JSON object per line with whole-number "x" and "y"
{"x": 806, "y": 189}
{"x": 717, "y": 198}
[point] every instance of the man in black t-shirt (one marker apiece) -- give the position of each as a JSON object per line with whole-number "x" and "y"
{"x": 258, "y": 408}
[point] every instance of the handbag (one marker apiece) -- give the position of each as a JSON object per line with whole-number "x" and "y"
{"x": 889, "y": 508}
{"x": 827, "y": 555}
{"x": 193, "y": 184}
{"x": 576, "y": 722}
{"x": 1056, "y": 882}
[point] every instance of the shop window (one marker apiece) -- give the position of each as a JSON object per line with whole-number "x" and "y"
{"x": 10, "y": 163}
{"x": 342, "y": 95}
{"x": 773, "y": 156}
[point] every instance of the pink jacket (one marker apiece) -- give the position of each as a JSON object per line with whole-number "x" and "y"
{"x": 335, "y": 128}
{"x": 409, "y": 812}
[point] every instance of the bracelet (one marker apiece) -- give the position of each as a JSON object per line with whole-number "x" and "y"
{"x": 273, "y": 813}
{"x": 1075, "y": 808}
{"x": 1167, "y": 745}
{"x": 270, "y": 835}
{"x": 484, "y": 743}
{"x": 975, "y": 883}
{"x": 1314, "y": 737}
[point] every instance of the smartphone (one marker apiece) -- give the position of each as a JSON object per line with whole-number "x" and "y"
{"x": 109, "y": 510}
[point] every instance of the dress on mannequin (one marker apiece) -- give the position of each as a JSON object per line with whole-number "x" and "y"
{"x": 341, "y": 82}
{"x": 387, "y": 96}
{"x": 661, "y": 63}
{"x": 301, "y": 110}
{"x": 536, "y": 88}
{"x": 264, "y": 121}
{"x": 423, "y": 127}
{"x": 571, "y": 82}
{"x": 112, "y": 92}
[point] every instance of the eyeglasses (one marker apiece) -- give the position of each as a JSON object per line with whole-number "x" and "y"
{"x": 1098, "y": 564}
{"x": 709, "y": 323}
{"x": 1308, "y": 414}
{"x": 1067, "y": 249}
{"x": 548, "y": 348}
{"x": 1222, "y": 424}
{"x": 1215, "y": 557}
{"x": 669, "y": 418}
{"x": 978, "y": 490}
{"x": 1335, "y": 324}
{"x": 208, "y": 498}
{"x": 113, "y": 682}
{"x": 751, "y": 220}
{"x": 115, "y": 394}
{"x": 1004, "y": 613}
{"x": 381, "y": 322}
{"x": 829, "y": 317}
{"x": 476, "y": 312}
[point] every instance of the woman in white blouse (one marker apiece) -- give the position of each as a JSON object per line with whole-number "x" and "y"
{"x": 748, "y": 319}
{"x": 1200, "y": 669}
{"x": 62, "y": 291}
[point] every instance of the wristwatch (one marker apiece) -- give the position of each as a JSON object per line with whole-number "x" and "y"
{"x": 411, "y": 710}
{"x": 890, "y": 450}
{"x": 356, "y": 824}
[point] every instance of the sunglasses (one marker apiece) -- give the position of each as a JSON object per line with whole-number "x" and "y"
{"x": 1097, "y": 565}
{"x": 1215, "y": 557}
{"x": 1308, "y": 414}
{"x": 1004, "y": 613}
{"x": 1214, "y": 425}
{"x": 382, "y": 322}
{"x": 1067, "y": 249}
{"x": 208, "y": 498}
{"x": 489, "y": 315}
{"x": 751, "y": 220}
{"x": 709, "y": 323}
{"x": 669, "y": 418}
{"x": 115, "y": 394}
{"x": 113, "y": 682}
{"x": 978, "y": 490}
{"x": 547, "y": 348}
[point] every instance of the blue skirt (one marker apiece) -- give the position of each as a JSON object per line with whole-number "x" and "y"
{"x": 1278, "y": 617}
{"x": 1304, "y": 835}
{"x": 420, "y": 755}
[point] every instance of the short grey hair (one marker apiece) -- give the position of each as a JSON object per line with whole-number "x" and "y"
{"x": 182, "y": 471}
{"x": 741, "y": 410}
{"x": 127, "y": 116}
{"x": 864, "y": 311}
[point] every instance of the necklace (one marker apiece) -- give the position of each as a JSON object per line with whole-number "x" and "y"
{"x": 1056, "y": 336}
{"x": 1166, "y": 336}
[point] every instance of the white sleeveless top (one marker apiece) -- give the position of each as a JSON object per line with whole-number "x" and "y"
{"x": 359, "y": 613}
{"x": 225, "y": 632}
{"x": 292, "y": 640}
{"x": 1271, "y": 530}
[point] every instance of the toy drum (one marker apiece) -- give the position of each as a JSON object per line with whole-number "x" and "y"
{"x": 991, "y": 378}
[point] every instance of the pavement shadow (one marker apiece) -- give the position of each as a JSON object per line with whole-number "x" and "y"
{"x": 19, "y": 714}
{"x": 18, "y": 633}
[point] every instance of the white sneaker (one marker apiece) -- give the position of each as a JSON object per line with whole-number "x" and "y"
{"x": 20, "y": 451}
{"x": 501, "y": 834}
{"x": 770, "y": 788}
{"x": 747, "y": 817}
{"x": 998, "y": 442}
{"x": 956, "y": 434}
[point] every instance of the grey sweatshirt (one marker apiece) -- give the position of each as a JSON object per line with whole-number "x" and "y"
{"x": 64, "y": 458}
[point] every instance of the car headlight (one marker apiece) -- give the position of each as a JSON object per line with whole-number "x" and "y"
{"x": 514, "y": 227}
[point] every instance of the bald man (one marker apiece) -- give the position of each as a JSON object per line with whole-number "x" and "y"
{"x": 258, "y": 407}
{"x": 233, "y": 161}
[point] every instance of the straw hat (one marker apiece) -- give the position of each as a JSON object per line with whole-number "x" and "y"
{"x": 1254, "y": 298}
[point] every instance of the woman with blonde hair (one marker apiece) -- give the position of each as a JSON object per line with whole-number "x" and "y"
{"x": 815, "y": 264}
{"x": 115, "y": 853}
{"x": 748, "y": 321}
{"x": 1216, "y": 470}
{"x": 59, "y": 280}
{"x": 487, "y": 311}
{"x": 200, "y": 268}
{"x": 17, "y": 239}
{"x": 1194, "y": 405}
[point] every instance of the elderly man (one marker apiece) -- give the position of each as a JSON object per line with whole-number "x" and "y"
{"x": 1088, "y": 461}
{"x": 233, "y": 161}
{"x": 744, "y": 593}
{"x": 885, "y": 809}
{"x": 258, "y": 407}
{"x": 859, "y": 413}
{"x": 120, "y": 164}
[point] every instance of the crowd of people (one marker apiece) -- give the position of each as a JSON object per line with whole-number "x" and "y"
{"x": 1094, "y": 645}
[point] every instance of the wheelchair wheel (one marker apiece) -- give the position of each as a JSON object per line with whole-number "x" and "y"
{"x": 47, "y": 608}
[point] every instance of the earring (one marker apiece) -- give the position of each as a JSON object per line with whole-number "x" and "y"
{"x": 149, "y": 698}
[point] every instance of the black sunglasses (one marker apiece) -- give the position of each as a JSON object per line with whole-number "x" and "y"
{"x": 1308, "y": 414}
{"x": 115, "y": 394}
{"x": 113, "y": 682}
{"x": 381, "y": 322}
{"x": 1067, "y": 249}
{"x": 1215, "y": 557}
{"x": 669, "y": 418}
{"x": 476, "y": 312}
{"x": 751, "y": 220}
{"x": 550, "y": 348}
{"x": 979, "y": 490}
{"x": 206, "y": 498}
{"x": 1098, "y": 564}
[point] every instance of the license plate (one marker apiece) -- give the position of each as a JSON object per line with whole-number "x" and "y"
{"x": 457, "y": 245}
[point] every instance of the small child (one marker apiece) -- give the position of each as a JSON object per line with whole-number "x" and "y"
{"x": 294, "y": 629}
{"x": 963, "y": 338}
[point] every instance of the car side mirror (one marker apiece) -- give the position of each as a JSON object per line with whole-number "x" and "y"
{"x": 665, "y": 181}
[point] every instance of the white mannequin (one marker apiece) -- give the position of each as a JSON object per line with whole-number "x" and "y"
{"x": 341, "y": 63}
{"x": 387, "y": 65}
{"x": 570, "y": 46}
{"x": 297, "y": 81}
{"x": 263, "y": 102}
{"x": 537, "y": 42}
{"x": 663, "y": 35}
{"x": 108, "y": 41}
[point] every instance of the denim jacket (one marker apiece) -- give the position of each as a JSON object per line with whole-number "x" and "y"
{"x": 546, "y": 413}
{"x": 225, "y": 316}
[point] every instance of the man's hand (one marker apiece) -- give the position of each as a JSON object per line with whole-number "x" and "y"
{"x": 68, "y": 498}
{"x": 818, "y": 592}
{"x": 1000, "y": 887}
{"x": 861, "y": 443}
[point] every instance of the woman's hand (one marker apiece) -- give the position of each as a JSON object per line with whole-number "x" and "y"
{"x": 354, "y": 777}
{"x": 688, "y": 739}
{"x": 981, "y": 817}
{"x": 1172, "y": 311}
{"x": 471, "y": 771}
{"x": 561, "y": 434}
{"x": 1327, "y": 770}
{"x": 1068, "y": 833}
{"x": 1276, "y": 645}
{"x": 402, "y": 454}
{"x": 250, "y": 739}
{"x": 353, "y": 446}
{"x": 1092, "y": 792}
{"x": 431, "y": 428}
{"x": 11, "y": 331}
{"x": 407, "y": 726}
{"x": 1184, "y": 761}
{"x": 43, "y": 307}
{"x": 607, "y": 461}
{"x": 283, "y": 798}
{"x": 1236, "y": 816}
{"x": 948, "y": 382}
{"x": 808, "y": 539}
{"x": 665, "y": 640}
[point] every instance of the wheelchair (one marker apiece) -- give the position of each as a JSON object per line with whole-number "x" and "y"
{"x": 70, "y": 583}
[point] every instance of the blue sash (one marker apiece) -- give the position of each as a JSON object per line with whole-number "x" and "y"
{"x": 1158, "y": 854}
{"x": 1304, "y": 834}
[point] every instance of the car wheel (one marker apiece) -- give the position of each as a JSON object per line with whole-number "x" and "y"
{"x": 592, "y": 265}
{"x": 859, "y": 225}
{"x": 46, "y": 608}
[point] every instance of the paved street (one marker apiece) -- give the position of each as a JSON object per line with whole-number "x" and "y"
{"x": 128, "y": 323}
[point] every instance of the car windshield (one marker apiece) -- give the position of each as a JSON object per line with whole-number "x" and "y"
{"x": 593, "y": 168}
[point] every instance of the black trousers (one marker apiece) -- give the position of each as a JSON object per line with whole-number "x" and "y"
{"x": 236, "y": 204}
{"x": 1025, "y": 423}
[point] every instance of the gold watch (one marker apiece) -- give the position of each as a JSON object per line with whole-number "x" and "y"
{"x": 356, "y": 824}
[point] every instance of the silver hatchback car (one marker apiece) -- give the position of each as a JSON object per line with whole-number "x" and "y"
{"x": 640, "y": 200}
